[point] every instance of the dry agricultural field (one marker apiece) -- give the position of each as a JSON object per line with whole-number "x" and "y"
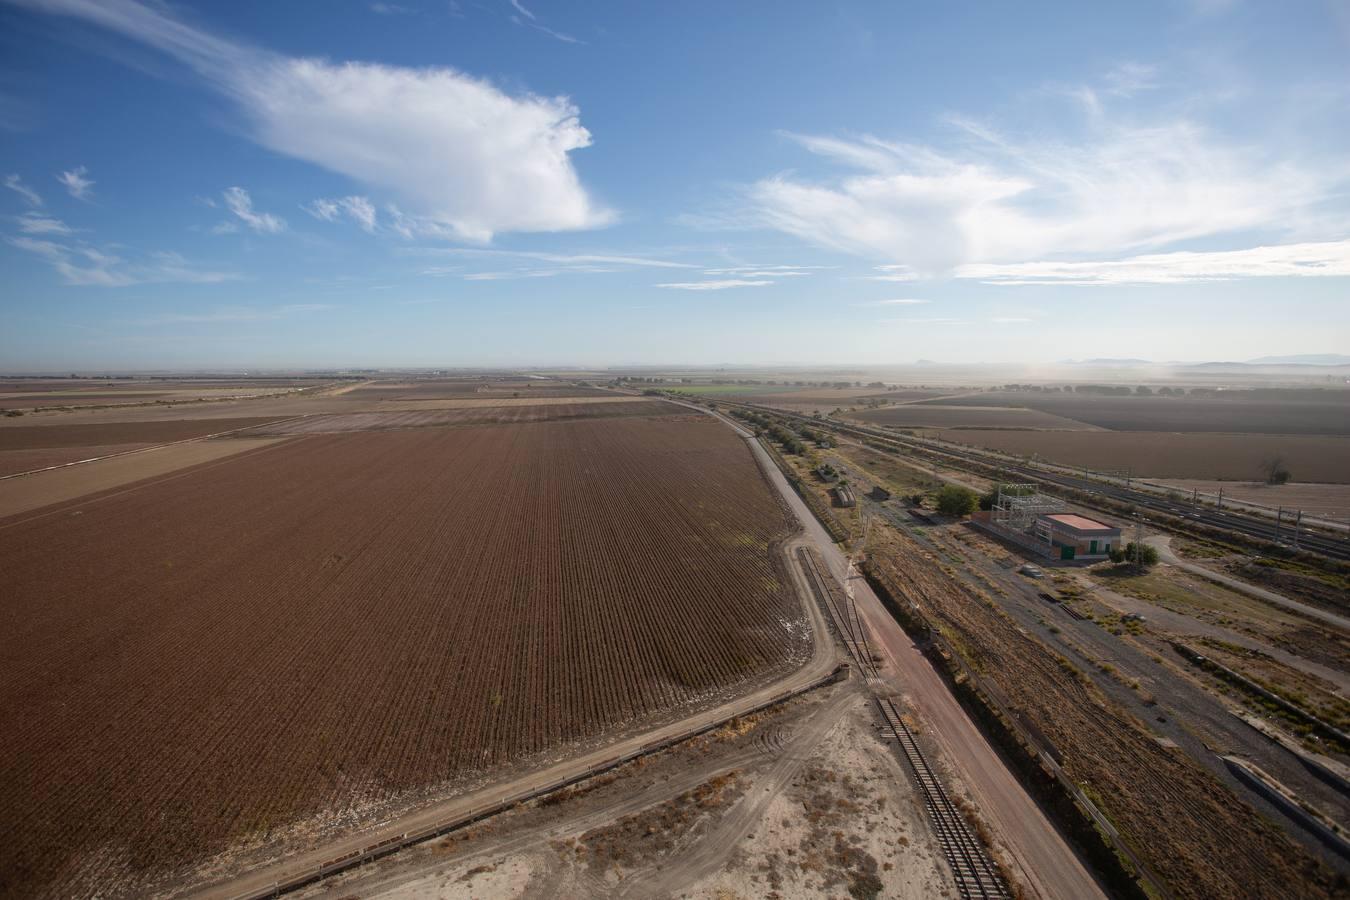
{"x": 1271, "y": 411}
{"x": 25, "y": 448}
{"x": 1229, "y": 457}
{"x": 924, "y": 415}
{"x": 343, "y": 624}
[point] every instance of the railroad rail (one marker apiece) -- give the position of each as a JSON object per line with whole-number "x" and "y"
{"x": 843, "y": 613}
{"x": 976, "y": 875}
{"x": 1250, "y": 526}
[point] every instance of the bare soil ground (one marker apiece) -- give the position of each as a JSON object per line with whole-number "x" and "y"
{"x": 13, "y": 462}
{"x": 209, "y": 659}
{"x": 1311, "y": 458}
{"x": 926, "y": 415}
{"x": 1263, "y": 412}
{"x": 1324, "y": 500}
{"x": 799, "y": 801}
{"x": 42, "y": 489}
{"x": 420, "y": 417}
{"x": 63, "y": 434}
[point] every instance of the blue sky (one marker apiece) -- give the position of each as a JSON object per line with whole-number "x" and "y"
{"x": 310, "y": 184}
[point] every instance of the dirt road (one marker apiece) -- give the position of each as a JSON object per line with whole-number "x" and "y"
{"x": 1163, "y": 543}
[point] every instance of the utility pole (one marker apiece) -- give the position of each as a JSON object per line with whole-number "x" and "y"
{"x": 1195, "y": 499}
{"x": 1298, "y": 520}
{"x": 1139, "y": 542}
{"x": 1220, "y": 499}
{"x": 1279, "y": 514}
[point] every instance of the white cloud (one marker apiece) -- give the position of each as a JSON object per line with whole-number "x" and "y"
{"x": 779, "y": 271}
{"x": 530, "y": 19}
{"x": 557, "y": 263}
{"x": 358, "y": 209}
{"x": 35, "y": 223}
{"x": 931, "y": 320}
{"x": 389, "y": 9}
{"x": 327, "y": 210}
{"x": 15, "y": 184}
{"x": 77, "y": 185}
{"x": 464, "y": 158}
{"x": 993, "y": 199}
{"x": 714, "y": 285}
{"x": 1322, "y": 259}
{"x": 226, "y": 227}
{"x": 83, "y": 265}
{"x": 238, "y": 201}
{"x": 569, "y": 259}
{"x": 901, "y": 301}
{"x": 1010, "y": 320}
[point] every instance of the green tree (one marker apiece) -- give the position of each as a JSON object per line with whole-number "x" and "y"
{"x": 1139, "y": 554}
{"x": 954, "y": 500}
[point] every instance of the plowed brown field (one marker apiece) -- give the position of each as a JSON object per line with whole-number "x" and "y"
{"x": 46, "y": 437}
{"x": 341, "y": 624}
{"x": 483, "y": 415}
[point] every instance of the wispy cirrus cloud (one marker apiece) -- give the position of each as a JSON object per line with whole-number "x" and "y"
{"x": 15, "y": 184}
{"x": 87, "y": 266}
{"x": 462, "y": 157}
{"x": 359, "y": 209}
{"x": 528, "y": 19}
{"x": 720, "y": 285}
{"x": 537, "y": 264}
{"x": 775, "y": 271}
{"x": 1307, "y": 260}
{"x": 238, "y": 201}
{"x": 36, "y": 223}
{"x": 1121, "y": 184}
{"x": 76, "y": 182}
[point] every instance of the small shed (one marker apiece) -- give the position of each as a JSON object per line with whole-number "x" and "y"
{"x": 1077, "y": 537}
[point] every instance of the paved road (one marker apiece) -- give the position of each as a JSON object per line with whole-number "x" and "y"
{"x": 1048, "y": 865}
{"x": 1164, "y": 544}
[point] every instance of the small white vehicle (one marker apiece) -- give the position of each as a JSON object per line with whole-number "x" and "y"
{"x": 1032, "y": 571}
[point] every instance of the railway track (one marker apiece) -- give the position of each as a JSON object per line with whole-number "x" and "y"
{"x": 844, "y": 613}
{"x": 976, "y": 875}
{"x": 1249, "y": 526}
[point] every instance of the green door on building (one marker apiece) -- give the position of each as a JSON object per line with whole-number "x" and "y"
{"x": 1066, "y": 553}
{"x": 1092, "y": 548}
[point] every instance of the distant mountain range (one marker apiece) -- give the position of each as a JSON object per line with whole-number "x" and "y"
{"x": 1303, "y": 359}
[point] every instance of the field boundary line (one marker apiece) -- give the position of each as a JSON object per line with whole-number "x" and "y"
{"x": 200, "y": 437}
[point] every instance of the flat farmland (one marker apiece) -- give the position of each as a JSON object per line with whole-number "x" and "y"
{"x": 1261, "y": 411}
{"x": 1332, "y": 500}
{"x": 475, "y": 415}
{"x": 202, "y": 662}
{"x": 456, "y": 389}
{"x": 1213, "y": 457}
{"x": 924, "y": 415}
{"x": 13, "y": 462}
{"x": 49, "y": 436}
